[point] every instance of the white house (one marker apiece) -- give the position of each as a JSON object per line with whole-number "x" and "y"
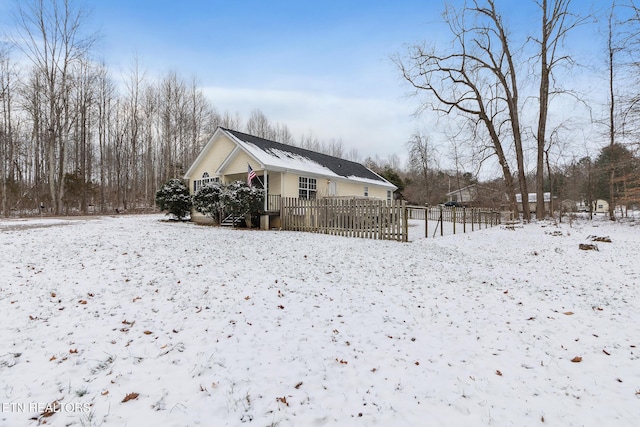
{"x": 477, "y": 195}
{"x": 284, "y": 170}
{"x": 465, "y": 195}
{"x": 600, "y": 206}
{"x": 533, "y": 201}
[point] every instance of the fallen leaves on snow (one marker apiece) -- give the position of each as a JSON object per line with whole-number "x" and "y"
{"x": 130, "y": 396}
{"x": 51, "y": 409}
{"x": 588, "y": 247}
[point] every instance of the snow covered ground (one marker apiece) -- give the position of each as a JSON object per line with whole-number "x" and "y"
{"x": 138, "y": 321}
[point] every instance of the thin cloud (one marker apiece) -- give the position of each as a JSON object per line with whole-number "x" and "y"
{"x": 373, "y": 126}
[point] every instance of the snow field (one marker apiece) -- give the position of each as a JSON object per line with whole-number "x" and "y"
{"x": 215, "y": 326}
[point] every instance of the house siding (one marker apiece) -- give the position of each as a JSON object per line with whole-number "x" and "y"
{"x": 238, "y": 165}
{"x": 223, "y": 147}
{"x": 219, "y": 152}
{"x": 379, "y": 192}
{"x": 344, "y": 188}
{"x": 275, "y": 183}
{"x": 290, "y": 187}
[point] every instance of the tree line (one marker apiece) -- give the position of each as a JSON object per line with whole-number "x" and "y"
{"x": 75, "y": 139}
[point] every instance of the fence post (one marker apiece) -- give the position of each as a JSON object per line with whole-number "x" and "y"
{"x": 405, "y": 222}
{"x": 464, "y": 219}
{"x": 426, "y": 222}
{"x": 441, "y": 223}
{"x": 453, "y": 217}
{"x": 473, "y": 213}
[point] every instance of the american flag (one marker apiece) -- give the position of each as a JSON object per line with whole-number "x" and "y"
{"x": 250, "y": 175}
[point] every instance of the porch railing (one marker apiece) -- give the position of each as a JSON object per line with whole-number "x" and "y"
{"x": 273, "y": 202}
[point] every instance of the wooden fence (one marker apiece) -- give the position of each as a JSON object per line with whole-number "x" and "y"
{"x": 462, "y": 219}
{"x": 353, "y": 217}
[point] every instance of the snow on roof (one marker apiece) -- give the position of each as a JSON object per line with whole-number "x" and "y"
{"x": 275, "y": 155}
{"x": 285, "y": 160}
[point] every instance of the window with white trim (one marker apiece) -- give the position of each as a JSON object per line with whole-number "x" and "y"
{"x": 307, "y": 188}
{"x": 206, "y": 179}
{"x": 389, "y": 195}
{"x": 366, "y": 191}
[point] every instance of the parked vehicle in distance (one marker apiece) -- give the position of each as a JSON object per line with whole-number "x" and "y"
{"x": 453, "y": 204}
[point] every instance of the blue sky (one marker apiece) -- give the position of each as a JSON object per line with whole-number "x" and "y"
{"x": 320, "y": 67}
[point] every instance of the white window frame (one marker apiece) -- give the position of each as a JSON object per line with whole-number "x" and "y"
{"x": 206, "y": 179}
{"x": 307, "y": 188}
{"x": 366, "y": 191}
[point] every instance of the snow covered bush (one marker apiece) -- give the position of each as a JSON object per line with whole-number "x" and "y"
{"x": 208, "y": 200}
{"x": 174, "y": 198}
{"x": 238, "y": 199}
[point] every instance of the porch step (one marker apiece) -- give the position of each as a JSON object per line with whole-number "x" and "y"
{"x": 232, "y": 221}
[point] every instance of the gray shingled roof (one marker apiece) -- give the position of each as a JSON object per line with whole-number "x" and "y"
{"x": 337, "y": 165}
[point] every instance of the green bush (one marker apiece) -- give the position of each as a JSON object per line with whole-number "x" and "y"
{"x": 238, "y": 199}
{"x": 208, "y": 200}
{"x": 174, "y": 198}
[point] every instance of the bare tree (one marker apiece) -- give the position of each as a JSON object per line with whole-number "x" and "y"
{"x": 310, "y": 142}
{"x": 353, "y": 155}
{"x": 632, "y": 103}
{"x": 81, "y": 104}
{"x": 335, "y": 147}
{"x": 133, "y": 132}
{"x": 422, "y": 161}
{"x": 623, "y": 54}
{"x": 477, "y": 79}
{"x": 283, "y": 135}
{"x": 258, "y": 125}
{"x": 104, "y": 102}
{"x": 611, "y": 53}
{"x": 7, "y": 86}
{"x": 53, "y": 42}
{"x": 231, "y": 121}
{"x": 556, "y": 22}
